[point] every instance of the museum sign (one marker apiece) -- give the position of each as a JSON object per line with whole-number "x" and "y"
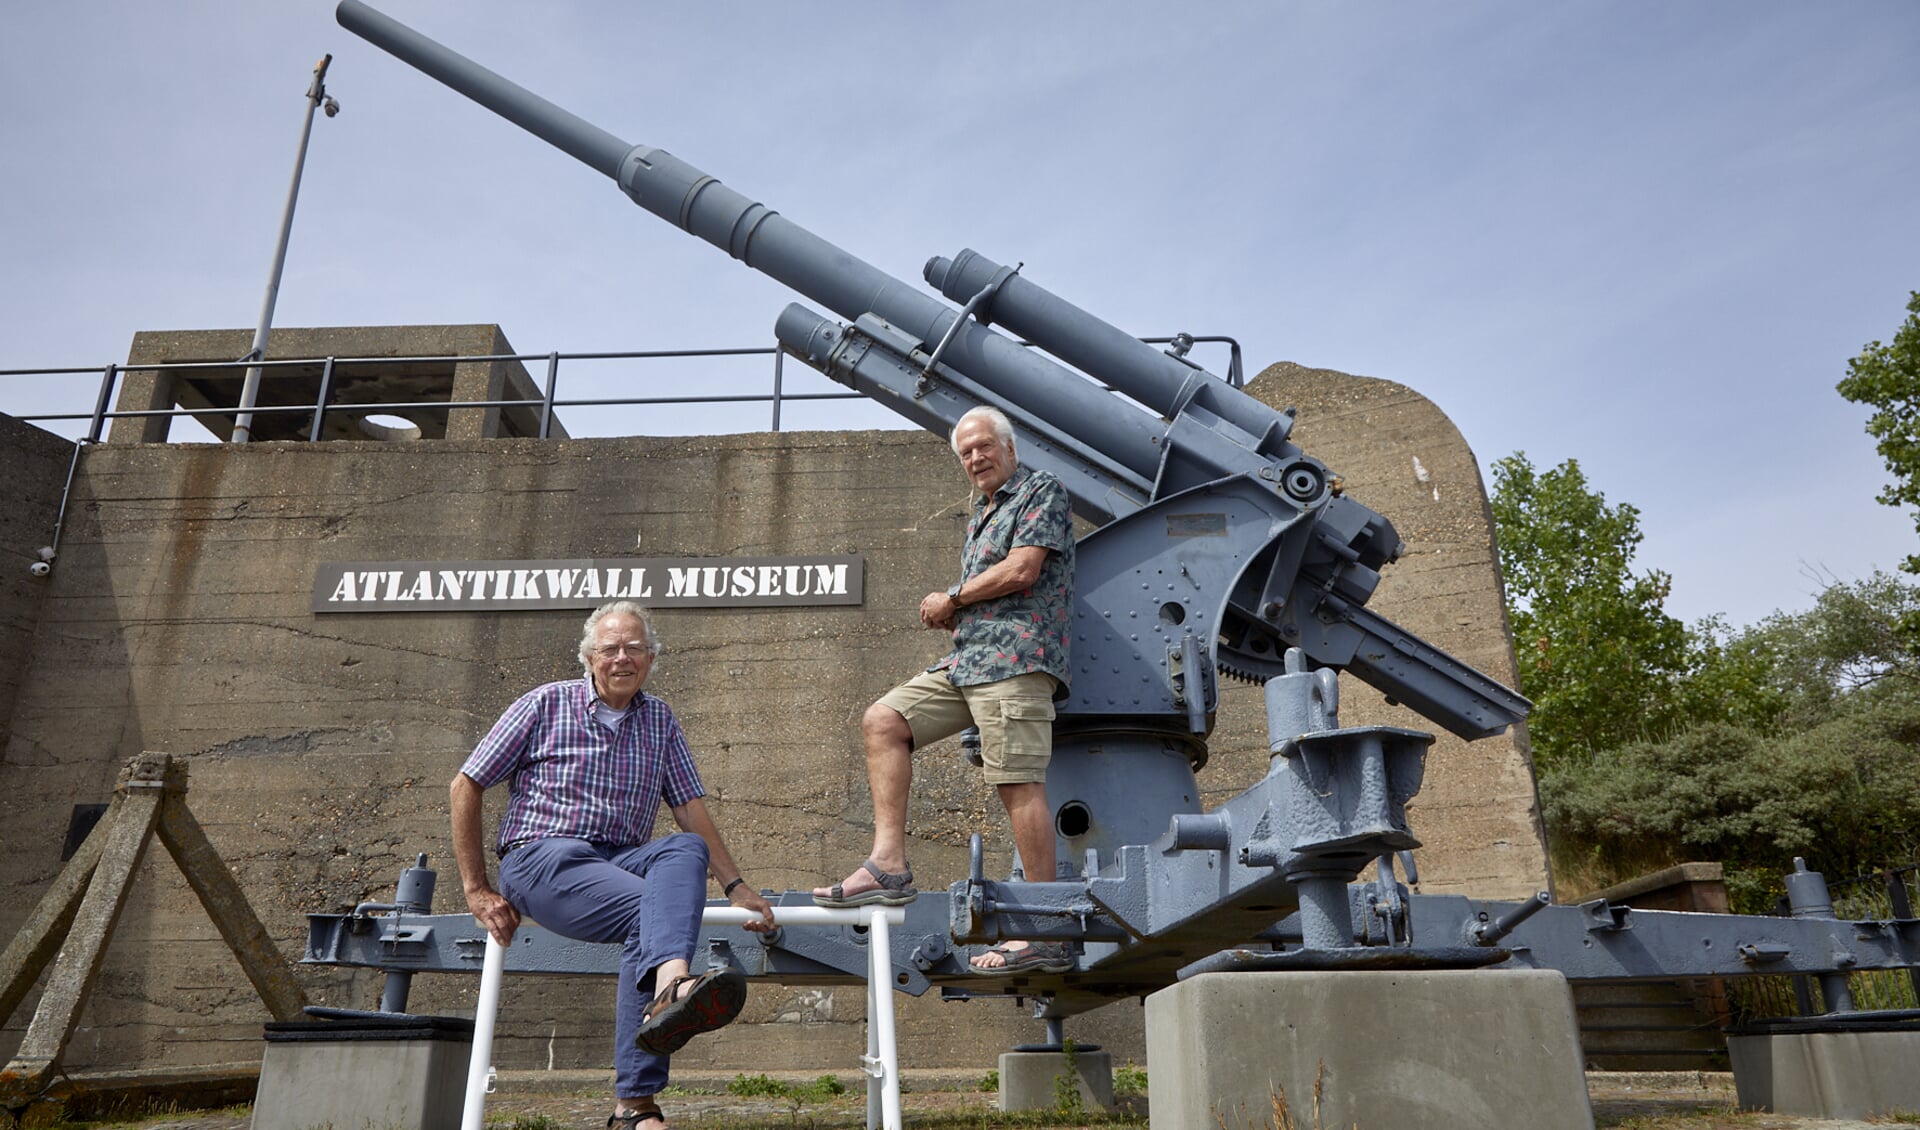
{"x": 658, "y": 582}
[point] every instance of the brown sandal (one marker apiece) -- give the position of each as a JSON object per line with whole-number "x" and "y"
{"x": 717, "y": 997}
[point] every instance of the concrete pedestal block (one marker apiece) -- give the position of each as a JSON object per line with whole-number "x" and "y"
{"x": 1027, "y": 1079}
{"x": 404, "y": 1073}
{"x": 1441, "y": 1050}
{"x": 1847, "y": 1074}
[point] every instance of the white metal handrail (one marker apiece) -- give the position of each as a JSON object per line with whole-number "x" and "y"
{"x": 881, "y": 1064}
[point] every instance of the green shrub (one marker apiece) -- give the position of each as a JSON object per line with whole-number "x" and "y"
{"x": 756, "y": 1085}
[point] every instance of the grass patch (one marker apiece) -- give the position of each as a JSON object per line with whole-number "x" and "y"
{"x": 762, "y": 1086}
{"x": 126, "y": 1112}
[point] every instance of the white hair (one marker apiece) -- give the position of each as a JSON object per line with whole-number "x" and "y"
{"x": 1002, "y": 427}
{"x": 612, "y": 608}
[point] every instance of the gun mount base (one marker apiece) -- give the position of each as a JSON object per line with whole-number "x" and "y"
{"x": 1451, "y": 1049}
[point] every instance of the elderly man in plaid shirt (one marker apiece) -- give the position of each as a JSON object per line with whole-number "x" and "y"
{"x": 589, "y": 762}
{"x": 1010, "y": 616}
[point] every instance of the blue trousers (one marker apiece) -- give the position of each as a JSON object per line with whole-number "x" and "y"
{"x": 648, "y": 898}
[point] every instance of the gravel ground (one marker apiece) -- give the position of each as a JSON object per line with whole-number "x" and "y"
{"x": 579, "y": 1100}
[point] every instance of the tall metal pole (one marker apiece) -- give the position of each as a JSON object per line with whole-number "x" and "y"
{"x": 250, "y": 392}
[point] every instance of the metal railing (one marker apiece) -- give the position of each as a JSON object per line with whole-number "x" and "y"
{"x": 332, "y": 367}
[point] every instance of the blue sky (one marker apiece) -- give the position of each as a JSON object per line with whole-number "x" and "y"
{"x": 1644, "y": 236}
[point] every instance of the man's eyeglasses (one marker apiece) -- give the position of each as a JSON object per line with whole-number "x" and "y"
{"x": 635, "y": 648}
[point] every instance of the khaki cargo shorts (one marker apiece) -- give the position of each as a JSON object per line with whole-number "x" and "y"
{"x": 1015, "y": 717}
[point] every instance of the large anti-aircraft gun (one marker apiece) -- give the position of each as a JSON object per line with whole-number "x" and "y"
{"x": 1254, "y": 547}
{"x": 1221, "y": 549}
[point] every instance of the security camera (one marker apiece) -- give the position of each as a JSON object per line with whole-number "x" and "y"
{"x": 40, "y": 569}
{"x": 331, "y": 107}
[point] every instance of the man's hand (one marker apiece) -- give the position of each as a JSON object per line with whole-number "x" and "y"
{"x": 745, "y": 896}
{"x": 1016, "y": 572}
{"x": 494, "y": 912}
{"x": 938, "y": 610}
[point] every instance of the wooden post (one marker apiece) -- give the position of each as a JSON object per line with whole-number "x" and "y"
{"x": 75, "y": 920}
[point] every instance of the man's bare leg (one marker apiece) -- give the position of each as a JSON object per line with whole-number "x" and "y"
{"x": 889, "y": 743}
{"x": 663, "y": 975}
{"x": 1032, "y": 821}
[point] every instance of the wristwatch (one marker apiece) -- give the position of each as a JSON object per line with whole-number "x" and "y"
{"x": 953, "y": 594}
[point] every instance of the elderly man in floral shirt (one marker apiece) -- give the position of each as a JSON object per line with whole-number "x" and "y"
{"x": 1010, "y": 616}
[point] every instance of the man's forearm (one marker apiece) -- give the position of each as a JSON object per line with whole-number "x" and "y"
{"x": 694, "y": 817}
{"x": 489, "y": 907}
{"x": 1012, "y": 573}
{"x": 469, "y": 850}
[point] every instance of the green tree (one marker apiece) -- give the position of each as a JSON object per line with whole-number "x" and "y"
{"x": 1887, "y": 377}
{"x": 1802, "y": 738}
{"x": 1597, "y": 653}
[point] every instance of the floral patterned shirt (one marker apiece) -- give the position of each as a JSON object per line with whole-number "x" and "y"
{"x": 1023, "y": 631}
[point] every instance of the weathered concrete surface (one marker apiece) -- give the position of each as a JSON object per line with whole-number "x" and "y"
{"x": 321, "y": 745}
{"x": 1032, "y": 1080}
{"x": 1828, "y": 1074}
{"x": 1450, "y": 1050}
{"x": 214, "y": 382}
{"x": 33, "y": 464}
{"x": 370, "y": 1079}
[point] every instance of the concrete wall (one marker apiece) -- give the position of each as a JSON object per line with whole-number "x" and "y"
{"x": 202, "y": 374}
{"x": 321, "y": 745}
{"x": 33, "y": 464}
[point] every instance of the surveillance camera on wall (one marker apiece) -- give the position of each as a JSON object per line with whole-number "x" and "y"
{"x": 40, "y": 568}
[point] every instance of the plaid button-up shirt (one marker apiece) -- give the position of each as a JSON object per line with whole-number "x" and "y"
{"x": 572, "y": 776}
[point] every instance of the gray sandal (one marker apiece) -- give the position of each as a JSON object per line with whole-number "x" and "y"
{"x": 895, "y": 889}
{"x": 1034, "y": 957}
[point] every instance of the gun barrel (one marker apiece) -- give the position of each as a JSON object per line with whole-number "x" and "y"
{"x": 581, "y": 139}
{"x": 1162, "y": 382}
{"x": 768, "y": 242}
{"x": 1114, "y": 457}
